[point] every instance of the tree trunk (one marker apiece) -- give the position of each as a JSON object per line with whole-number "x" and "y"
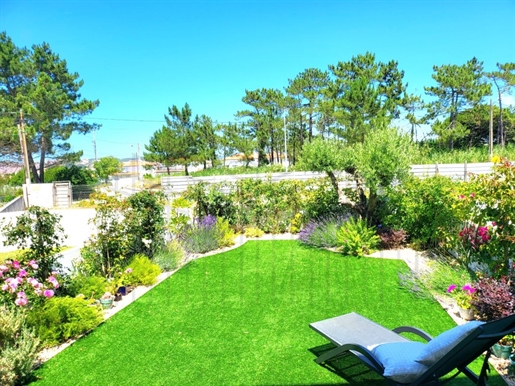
{"x": 33, "y": 169}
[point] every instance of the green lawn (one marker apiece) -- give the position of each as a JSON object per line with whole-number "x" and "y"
{"x": 241, "y": 318}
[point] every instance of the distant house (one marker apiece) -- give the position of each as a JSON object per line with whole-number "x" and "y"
{"x": 239, "y": 160}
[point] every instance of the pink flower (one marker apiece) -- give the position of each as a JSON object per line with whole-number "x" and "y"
{"x": 462, "y": 196}
{"x": 472, "y": 194}
{"x": 468, "y": 288}
{"x": 22, "y": 273}
{"x": 33, "y": 264}
{"x": 52, "y": 280}
{"x": 3, "y": 268}
{"x": 16, "y": 264}
{"x": 48, "y": 293}
{"x": 5, "y": 287}
{"x": 128, "y": 270}
{"x": 21, "y": 302}
{"x": 451, "y": 288}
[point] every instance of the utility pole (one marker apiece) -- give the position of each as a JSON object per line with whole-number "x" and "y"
{"x": 139, "y": 165}
{"x": 95, "y": 144}
{"x": 23, "y": 142}
{"x": 491, "y": 136}
{"x": 285, "y": 144}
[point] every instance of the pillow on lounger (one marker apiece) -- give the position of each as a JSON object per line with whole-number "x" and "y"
{"x": 436, "y": 348}
{"x": 398, "y": 360}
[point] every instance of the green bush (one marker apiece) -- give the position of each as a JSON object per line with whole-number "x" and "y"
{"x": 225, "y": 234}
{"x": 356, "y": 238}
{"x": 253, "y": 232}
{"x": 146, "y": 222}
{"x": 423, "y": 208}
{"x": 142, "y": 271}
{"x": 63, "y": 318}
{"x": 18, "y": 348}
{"x": 89, "y": 286}
{"x": 170, "y": 256}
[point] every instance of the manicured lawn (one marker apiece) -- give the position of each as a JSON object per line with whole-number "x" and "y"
{"x": 241, "y": 318}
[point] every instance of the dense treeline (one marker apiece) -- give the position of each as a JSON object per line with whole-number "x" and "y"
{"x": 346, "y": 102}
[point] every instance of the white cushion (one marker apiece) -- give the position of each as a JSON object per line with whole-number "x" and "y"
{"x": 398, "y": 360}
{"x": 436, "y": 348}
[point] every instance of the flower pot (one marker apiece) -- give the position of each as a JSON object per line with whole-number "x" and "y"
{"x": 118, "y": 297}
{"x": 122, "y": 290}
{"x": 501, "y": 351}
{"x": 106, "y": 303}
{"x": 512, "y": 360}
{"x": 467, "y": 313}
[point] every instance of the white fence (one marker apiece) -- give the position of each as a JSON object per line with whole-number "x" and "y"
{"x": 177, "y": 185}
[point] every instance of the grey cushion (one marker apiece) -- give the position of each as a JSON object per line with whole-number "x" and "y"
{"x": 398, "y": 360}
{"x": 436, "y": 348}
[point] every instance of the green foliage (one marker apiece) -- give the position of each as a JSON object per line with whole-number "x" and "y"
{"x": 8, "y": 193}
{"x": 170, "y": 256}
{"x": 224, "y": 171}
{"x": 63, "y": 318}
{"x": 273, "y": 207}
{"x": 252, "y": 232}
{"x": 146, "y": 222}
{"x": 319, "y": 199}
{"x": 225, "y": 234}
{"x": 432, "y": 152}
{"x": 486, "y": 207}
{"x": 144, "y": 272}
{"x": 356, "y": 238}
{"x": 107, "y": 166}
{"x": 423, "y": 208}
{"x": 90, "y": 286}
{"x": 109, "y": 247}
{"x": 457, "y": 87}
{"x": 75, "y": 174}
{"x": 38, "y": 232}
{"x": 18, "y": 348}
{"x": 211, "y": 200}
{"x": 38, "y": 81}
{"x": 367, "y": 94}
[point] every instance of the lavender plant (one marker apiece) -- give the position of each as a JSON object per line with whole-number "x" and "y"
{"x": 322, "y": 232}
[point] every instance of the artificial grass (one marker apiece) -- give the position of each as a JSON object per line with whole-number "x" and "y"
{"x": 241, "y": 318}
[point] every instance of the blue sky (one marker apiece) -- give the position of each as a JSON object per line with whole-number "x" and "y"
{"x": 140, "y": 57}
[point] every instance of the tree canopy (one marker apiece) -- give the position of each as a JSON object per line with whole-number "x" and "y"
{"x": 38, "y": 82}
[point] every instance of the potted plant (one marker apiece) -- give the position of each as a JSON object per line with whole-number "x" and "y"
{"x": 463, "y": 300}
{"x": 504, "y": 347}
{"x": 106, "y": 301}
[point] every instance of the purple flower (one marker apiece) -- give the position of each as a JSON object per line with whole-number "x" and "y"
{"x": 22, "y": 273}
{"x": 451, "y": 288}
{"x": 16, "y": 264}
{"x": 33, "y": 264}
{"x": 208, "y": 221}
{"x": 128, "y": 270}
{"x": 468, "y": 288}
{"x": 52, "y": 280}
{"x": 48, "y": 293}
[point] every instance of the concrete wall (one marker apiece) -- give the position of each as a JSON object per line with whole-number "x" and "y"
{"x": 75, "y": 223}
{"x": 15, "y": 205}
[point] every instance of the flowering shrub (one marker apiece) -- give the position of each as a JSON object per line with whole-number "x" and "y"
{"x": 463, "y": 298}
{"x": 19, "y": 285}
{"x": 322, "y": 232}
{"x": 487, "y": 206}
